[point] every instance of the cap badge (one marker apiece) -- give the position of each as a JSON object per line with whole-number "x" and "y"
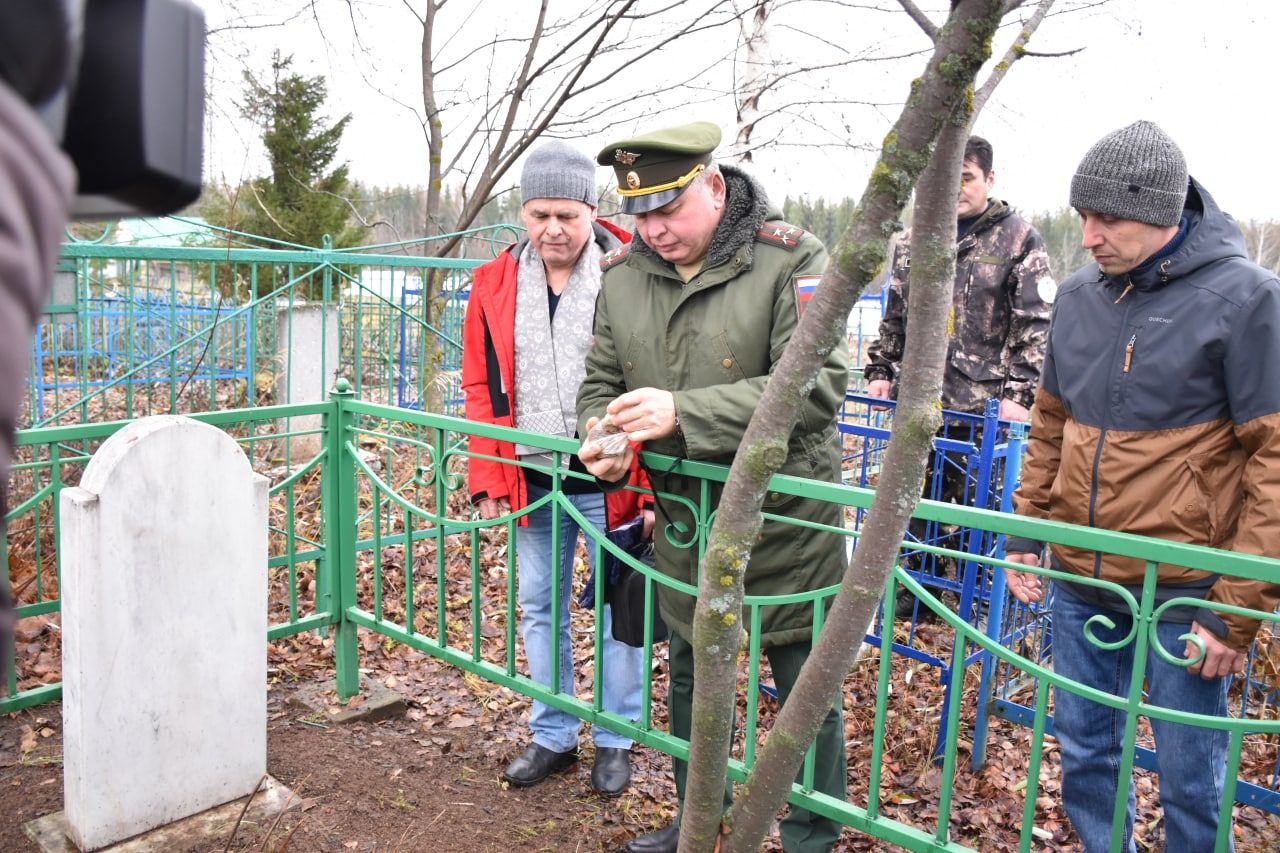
{"x": 626, "y": 158}
{"x": 633, "y": 181}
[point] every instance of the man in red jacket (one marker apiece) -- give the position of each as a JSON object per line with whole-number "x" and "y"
{"x": 525, "y": 338}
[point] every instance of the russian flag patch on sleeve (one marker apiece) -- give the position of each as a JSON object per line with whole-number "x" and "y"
{"x": 805, "y": 286}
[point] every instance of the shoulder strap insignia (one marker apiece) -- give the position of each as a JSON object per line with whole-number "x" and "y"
{"x": 780, "y": 234}
{"x": 614, "y": 257}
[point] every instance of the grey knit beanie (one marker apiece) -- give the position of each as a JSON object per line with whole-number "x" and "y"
{"x": 556, "y": 170}
{"x": 1136, "y": 173}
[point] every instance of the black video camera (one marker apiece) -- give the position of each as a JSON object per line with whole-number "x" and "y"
{"x": 120, "y": 86}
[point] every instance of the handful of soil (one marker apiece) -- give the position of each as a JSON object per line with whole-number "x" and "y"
{"x": 608, "y": 436}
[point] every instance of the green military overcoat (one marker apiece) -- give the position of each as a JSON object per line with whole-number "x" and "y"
{"x": 713, "y": 342}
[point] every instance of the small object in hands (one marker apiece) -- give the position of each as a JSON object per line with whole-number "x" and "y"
{"x": 608, "y": 436}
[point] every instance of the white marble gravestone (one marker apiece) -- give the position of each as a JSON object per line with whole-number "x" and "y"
{"x": 164, "y": 608}
{"x": 307, "y": 366}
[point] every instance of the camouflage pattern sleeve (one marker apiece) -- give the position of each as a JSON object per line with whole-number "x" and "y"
{"x": 885, "y": 354}
{"x": 1030, "y": 299}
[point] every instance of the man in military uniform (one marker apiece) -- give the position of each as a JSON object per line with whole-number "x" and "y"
{"x": 691, "y": 318}
{"x": 1001, "y": 300}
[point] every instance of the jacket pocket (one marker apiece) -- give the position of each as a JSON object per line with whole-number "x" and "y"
{"x": 723, "y": 359}
{"x": 1188, "y": 507}
{"x": 977, "y": 368}
{"x": 633, "y": 362}
{"x": 1209, "y": 506}
{"x": 778, "y": 503}
{"x": 785, "y": 536}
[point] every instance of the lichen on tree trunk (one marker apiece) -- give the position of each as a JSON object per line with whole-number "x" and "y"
{"x": 963, "y": 45}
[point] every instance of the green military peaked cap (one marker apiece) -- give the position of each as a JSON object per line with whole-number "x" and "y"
{"x": 654, "y": 168}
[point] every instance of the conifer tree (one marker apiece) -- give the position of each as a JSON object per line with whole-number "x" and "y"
{"x": 304, "y": 198}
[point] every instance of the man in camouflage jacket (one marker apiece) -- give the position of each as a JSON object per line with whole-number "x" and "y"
{"x": 1000, "y": 311}
{"x": 1003, "y": 291}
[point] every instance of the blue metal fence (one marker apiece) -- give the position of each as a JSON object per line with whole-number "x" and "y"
{"x": 414, "y": 342}
{"x": 970, "y": 460}
{"x": 119, "y": 340}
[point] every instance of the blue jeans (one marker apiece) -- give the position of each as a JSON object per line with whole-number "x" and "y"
{"x": 1191, "y": 761}
{"x": 552, "y": 728}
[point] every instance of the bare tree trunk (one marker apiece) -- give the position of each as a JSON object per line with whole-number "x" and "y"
{"x": 500, "y": 158}
{"x": 1260, "y": 244}
{"x": 755, "y": 78}
{"x": 1260, "y": 250}
{"x": 964, "y": 43}
{"x": 431, "y": 281}
{"x": 435, "y": 128}
{"x": 916, "y": 420}
{"x": 915, "y": 423}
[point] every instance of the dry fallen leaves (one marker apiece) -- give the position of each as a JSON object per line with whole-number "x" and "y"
{"x": 28, "y": 741}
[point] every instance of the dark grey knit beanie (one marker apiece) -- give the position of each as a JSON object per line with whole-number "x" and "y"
{"x": 556, "y": 170}
{"x": 1136, "y": 173}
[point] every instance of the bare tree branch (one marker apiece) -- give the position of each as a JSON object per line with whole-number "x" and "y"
{"x": 921, "y": 19}
{"x": 1012, "y": 55}
{"x": 412, "y": 11}
{"x": 257, "y": 198}
{"x": 1054, "y": 55}
{"x": 435, "y": 134}
{"x": 511, "y": 142}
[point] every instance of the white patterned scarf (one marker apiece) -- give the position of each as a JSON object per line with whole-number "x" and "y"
{"x": 551, "y": 355}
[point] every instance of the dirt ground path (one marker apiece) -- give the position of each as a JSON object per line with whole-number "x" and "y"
{"x": 390, "y": 785}
{"x": 431, "y": 780}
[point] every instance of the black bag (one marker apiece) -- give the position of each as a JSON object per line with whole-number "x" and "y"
{"x": 624, "y": 589}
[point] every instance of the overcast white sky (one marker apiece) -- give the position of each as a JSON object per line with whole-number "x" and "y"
{"x": 1205, "y": 71}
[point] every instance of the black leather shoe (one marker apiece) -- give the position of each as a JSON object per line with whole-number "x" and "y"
{"x": 537, "y": 763}
{"x": 904, "y": 604}
{"x": 611, "y": 773}
{"x": 665, "y": 840}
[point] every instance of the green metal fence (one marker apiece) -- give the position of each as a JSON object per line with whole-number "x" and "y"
{"x": 375, "y": 532}
{"x": 135, "y": 330}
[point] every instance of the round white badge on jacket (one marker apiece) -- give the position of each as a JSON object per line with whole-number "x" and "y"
{"x": 1047, "y": 289}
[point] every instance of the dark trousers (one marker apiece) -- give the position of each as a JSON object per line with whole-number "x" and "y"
{"x": 949, "y": 471}
{"x": 802, "y": 831}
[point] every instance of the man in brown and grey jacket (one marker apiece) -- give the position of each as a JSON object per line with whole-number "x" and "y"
{"x": 1158, "y": 414}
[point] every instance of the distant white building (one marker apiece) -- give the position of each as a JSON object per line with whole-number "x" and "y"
{"x": 160, "y": 232}
{"x": 397, "y": 285}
